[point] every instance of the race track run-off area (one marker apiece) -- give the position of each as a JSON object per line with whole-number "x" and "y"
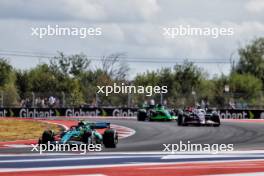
{"x": 140, "y": 152}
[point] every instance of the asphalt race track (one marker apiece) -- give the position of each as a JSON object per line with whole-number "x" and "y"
{"x": 150, "y": 136}
{"x": 141, "y": 154}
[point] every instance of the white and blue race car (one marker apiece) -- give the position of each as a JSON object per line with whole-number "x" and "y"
{"x": 198, "y": 117}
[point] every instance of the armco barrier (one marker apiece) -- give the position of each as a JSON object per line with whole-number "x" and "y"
{"x": 114, "y": 112}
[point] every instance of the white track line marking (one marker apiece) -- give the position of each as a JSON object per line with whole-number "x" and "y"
{"x": 135, "y": 156}
{"x": 17, "y": 146}
{"x": 3, "y": 170}
{"x": 123, "y": 132}
{"x": 72, "y": 159}
{"x": 208, "y": 156}
{"x": 142, "y": 153}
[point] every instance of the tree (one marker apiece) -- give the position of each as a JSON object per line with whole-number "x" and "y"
{"x": 188, "y": 75}
{"x": 7, "y": 84}
{"x": 181, "y": 82}
{"x": 245, "y": 87}
{"x": 220, "y": 97}
{"x": 76, "y": 96}
{"x": 149, "y": 78}
{"x": 22, "y": 82}
{"x": 42, "y": 79}
{"x": 114, "y": 67}
{"x": 69, "y": 65}
{"x": 79, "y": 64}
{"x": 208, "y": 91}
{"x": 252, "y": 59}
{"x": 5, "y": 72}
{"x": 187, "y": 78}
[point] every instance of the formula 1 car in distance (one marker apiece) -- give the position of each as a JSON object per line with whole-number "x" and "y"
{"x": 155, "y": 113}
{"x": 198, "y": 117}
{"x": 83, "y": 133}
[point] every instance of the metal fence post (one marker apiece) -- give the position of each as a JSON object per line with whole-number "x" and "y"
{"x": 2, "y": 99}
{"x": 33, "y": 99}
{"x": 96, "y": 99}
{"x": 161, "y": 98}
{"x": 128, "y": 99}
{"x": 63, "y": 99}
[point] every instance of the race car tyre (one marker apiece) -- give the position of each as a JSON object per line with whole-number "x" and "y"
{"x": 216, "y": 119}
{"x": 180, "y": 120}
{"x": 150, "y": 115}
{"x": 110, "y": 138}
{"x": 47, "y": 136}
{"x": 148, "y": 118}
{"x": 141, "y": 116}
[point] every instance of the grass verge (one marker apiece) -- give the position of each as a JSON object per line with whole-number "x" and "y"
{"x": 17, "y": 129}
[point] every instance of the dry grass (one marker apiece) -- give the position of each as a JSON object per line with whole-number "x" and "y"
{"x": 13, "y": 129}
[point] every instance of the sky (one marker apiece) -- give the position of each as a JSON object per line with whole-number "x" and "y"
{"x": 133, "y": 27}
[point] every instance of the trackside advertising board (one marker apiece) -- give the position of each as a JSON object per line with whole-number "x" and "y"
{"x": 114, "y": 112}
{"x": 67, "y": 112}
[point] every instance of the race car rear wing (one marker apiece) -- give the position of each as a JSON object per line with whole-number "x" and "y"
{"x": 100, "y": 125}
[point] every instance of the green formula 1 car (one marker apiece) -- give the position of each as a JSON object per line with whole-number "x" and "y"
{"x": 83, "y": 133}
{"x": 155, "y": 113}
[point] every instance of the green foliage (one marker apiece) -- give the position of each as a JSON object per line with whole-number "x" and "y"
{"x": 220, "y": 97}
{"x": 252, "y": 59}
{"x": 11, "y": 96}
{"x": 69, "y": 65}
{"x": 22, "y": 81}
{"x": 189, "y": 76}
{"x": 246, "y": 86}
{"x": 180, "y": 82}
{"x": 79, "y": 64}
{"x": 76, "y": 96}
{"x": 42, "y": 79}
{"x": 7, "y": 84}
{"x": 207, "y": 90}
{"x": 186, "y": 83}
{"x": 5, "y": 72}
